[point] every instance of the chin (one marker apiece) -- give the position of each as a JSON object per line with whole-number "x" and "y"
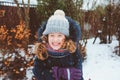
{"x": 56, "y": 48}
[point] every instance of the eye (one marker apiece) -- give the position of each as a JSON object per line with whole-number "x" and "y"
{"x": 60, "y": 35}
{"x": 51, "y": 35}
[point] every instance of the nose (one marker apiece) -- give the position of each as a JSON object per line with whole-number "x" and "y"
{"x": 55, "y": 39}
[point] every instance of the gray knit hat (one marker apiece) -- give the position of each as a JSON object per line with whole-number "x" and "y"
{"x": 57, "y": 23}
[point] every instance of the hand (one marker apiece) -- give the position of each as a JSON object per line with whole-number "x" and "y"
{"x": 40, "y": 51}
{"x": 67, "y": 73}
{"x": 75, "y": 74}
{"x": 55, "y": 73}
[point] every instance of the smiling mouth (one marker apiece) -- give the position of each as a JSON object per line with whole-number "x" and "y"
{"x": 55, "y": 44}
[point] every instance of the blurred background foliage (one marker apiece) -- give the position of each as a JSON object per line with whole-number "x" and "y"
{"x": 46, "y": 8}
{"x": 101, "y": 21}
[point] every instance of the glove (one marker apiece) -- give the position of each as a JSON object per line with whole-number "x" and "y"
{"x": 55, "y": 73}
{"x": 75, "y": 74}
{"x": 67, "y": 73}
{"x": 70, "y": 73}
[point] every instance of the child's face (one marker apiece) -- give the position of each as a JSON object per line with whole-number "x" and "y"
{"x": 56, "y": 40}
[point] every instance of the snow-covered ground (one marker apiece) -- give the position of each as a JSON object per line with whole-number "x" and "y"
{"x": 101, "y": 62}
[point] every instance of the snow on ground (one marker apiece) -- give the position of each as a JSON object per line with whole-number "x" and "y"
{"x": 101, "y": 62}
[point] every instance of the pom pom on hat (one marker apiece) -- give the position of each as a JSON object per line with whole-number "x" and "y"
{"x": 59, "y": 12}
{"x": 57, "y": 23}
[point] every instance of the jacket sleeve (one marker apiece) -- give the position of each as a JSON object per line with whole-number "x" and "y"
{"x": 37, "y": 69}
{"x": 78, "y": 59}
{"x": 78, "y": 62}
{"x": 41, "y": 70}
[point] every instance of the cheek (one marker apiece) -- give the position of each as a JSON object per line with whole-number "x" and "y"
{"x": 62, "y": 41}
{"x": 49, "y": 40}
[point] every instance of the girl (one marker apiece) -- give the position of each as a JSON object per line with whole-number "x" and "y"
{"x": 58, "y": 56}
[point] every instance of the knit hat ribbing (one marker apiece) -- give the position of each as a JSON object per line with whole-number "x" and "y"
{"x": 57, "y": 23}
